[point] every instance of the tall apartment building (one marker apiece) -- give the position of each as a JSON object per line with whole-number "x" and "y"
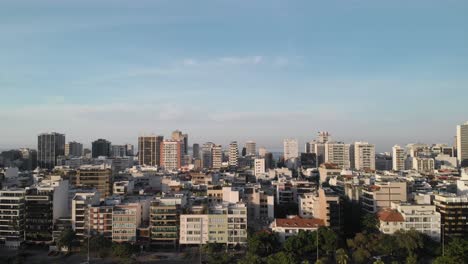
{"x": 196, "y": 151}
{"x": 207, "y": 155}
{"x": 74, "y": 149}
{"x": 260, "y": 207}
{"x": 251, "y": 148}
{"x": 178, "y": 136}
{"x": 224, "y": 224}
{"x": 291, "y": 149}
{"x": 97, "y": 177}
{"x": 259, "y": 167}
{"x": 100, "y": 220}
{"x": 49, "y": 147}
{"x": 382, "y": 194}
{"x": 12, "y": 217}
{"x": 126, "y": 218}
{"x": 130, "y": 150}
{"x": 81, "y": 203}
{"x": 44, "y": 205}
{"x": 325, "y": 205}
{"x": 454, "y": 214}
{"x": 398, "y": 158}
{"x": 171, "y": 155}
{"x": 462, "y": 144}
{"x": 364, "y": 156}
{"x": 164, "y": 221}
{"x": 338, "y": 153}
{"x": 233, "y": 154}
{"x": 101, "y": 147}
{"x": 217, "y": 157}
{"x": 149, "y": 150}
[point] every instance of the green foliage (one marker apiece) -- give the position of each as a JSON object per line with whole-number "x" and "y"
{"x": 98, "y": 245}
{"x": 341, "y": 256}
{"x": 446, "y": 260}
{"x": 370, "y": 223}
{"x": 411, "y": 259}
{"x": 66, "y": 239}
{"x": 411, "y": 240}
{"x": 250, "y": 258}
{"x": 378, "y": 262}
{"x": 123, "y": 251}
{"x": 263, "y": 244}
{"x": 280, "y": 258}
{"x": 327, "y": 240}
{"x": 458, "y": 250}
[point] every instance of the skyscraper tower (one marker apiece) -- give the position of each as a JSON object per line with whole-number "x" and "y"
{"x": 251, "y": 148}
{"x": 398, "y": 158}
{"x": 101, "y": 147}
{"x": 233, "y": 154}
{"x": 49, "y": 147}
{"x": 149, "y": 150}
{"x": 462, "y": 144}
{"x": 291, "y": 149}
{"x": 196, "y": 151}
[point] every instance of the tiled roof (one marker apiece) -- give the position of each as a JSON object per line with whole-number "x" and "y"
{"x": 390, "y": 216}
{"x": 299, "y": 222}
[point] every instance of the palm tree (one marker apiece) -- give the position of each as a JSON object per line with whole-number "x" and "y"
{"x": 341, "y": 256}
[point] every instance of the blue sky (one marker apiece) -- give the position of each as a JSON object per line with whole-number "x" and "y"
{"x": 382, "y": 71}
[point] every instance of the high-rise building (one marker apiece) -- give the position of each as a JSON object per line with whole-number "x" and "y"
{"x": 98, "y": 177}
{"x": 217, "y": 157}
{"x": 207, "y": 155}
{"x": 196, "y": 151}
{"x": 74, "y": 149}
{"x": 250, "y": 148}
{"x": 291, "y": 149}
{"x": 454, "y": 212}
{"x": 364, "y": 156}
{"x": 178, "y": 136}
{"x": 338, "y": 153}
{"x": 79, "y": 210}
{"x": 398, "y": 158}
{"x": 233, "y": 154}
{"x": 259, "y": 166}
{"x": 171, "y": 154}
{"x": 101, "y": 147}
{"x": 119, "y": 151}
{"x": 49, "y": 147}
{"x": 462, "y": 144}
{"x": 149, "y": 150}
{"x": 269, "y": 163}
{"x": 164, "y": 221}
{"x": 323, "y": 137}
{"x": 130, "y": 150}
{"x": 262, "y": 151}
{"x": 12, "y": 217}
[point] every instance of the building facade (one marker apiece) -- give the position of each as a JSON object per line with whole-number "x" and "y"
{"x": 49, "y": 147}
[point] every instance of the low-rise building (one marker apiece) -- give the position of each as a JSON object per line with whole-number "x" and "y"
{"x": 287, "y": 227}
{"x": 382, "y": 194}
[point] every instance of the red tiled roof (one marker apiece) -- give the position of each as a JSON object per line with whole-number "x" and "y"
{"x": 299, "y": 222}
{"x": 390, "y": 216}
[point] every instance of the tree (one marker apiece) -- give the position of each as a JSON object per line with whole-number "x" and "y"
{"x": 410, "y": 240}
{"x": 379, "y": 262}
{"x": 280, "y": 258}
{"x": 97, "y": 244}
{"x": 327, "y": 240}
{"x": 263, "y": 244}
{"x": 458, "y": 250}
{"x": 341, "y": 256}
{"x": 370, "y": 223}
{"x": 361, "y": 255}
{"x": 66, "y": 239}
{"x": 123, "y": 251}
{"x": 250, "y": 259}
{"x": 411, "y": 259}
{"x": 302, "y": 245}
{"x": 446, "y": 260}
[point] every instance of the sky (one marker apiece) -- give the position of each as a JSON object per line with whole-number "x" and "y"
{"x": 386, "y": 72}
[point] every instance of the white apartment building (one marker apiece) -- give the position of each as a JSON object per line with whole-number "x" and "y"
{"x": 423, "y": 164}
{"x": 126, "y": 218}
{"x": 224, "y": 224}
{"x": 80, "y": 205}
{"x": 364, "y": 156}
{"x": 402, "y": 216}
{"x": 259, "y": 167}
{"x": 287, "y": 227}
{"x": 12, "y": 215}
{"x": 233, "y": 154}
{"x": 306, "y": 205}
{"x": 217, "y": 157}
{"x": 338, "y": 153}
{"x": 398, "y": 158}
{"x": 291, "y": 149}
{"x": 171, "y": 155}
{"x": 462, "y": 144}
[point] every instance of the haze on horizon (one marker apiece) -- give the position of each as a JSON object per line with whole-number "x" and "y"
{"x": 386, "y": 72}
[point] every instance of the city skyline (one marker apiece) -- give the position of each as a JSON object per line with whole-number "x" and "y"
{"x": 224, "y": 71}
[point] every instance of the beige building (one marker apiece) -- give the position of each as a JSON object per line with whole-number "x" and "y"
{"x": 382, "y": 194}
{"x": 223, "y": 224}
{"x": 126, "y": 218}
{"x": 260, "y": 206}
{"x": 80, "y": 206}
{"x": 171, "y": 155}
{"x": 423, "y": 164}
{"x": 325, "y": 205}
{"x": 97, "y": 177}
{"x": 328, "y": 170}
{"x": 462, "y": 144}
{"x": 338, "y": 153}
{"x": 398, "y": 158}
{"x": 364, "y": 156}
